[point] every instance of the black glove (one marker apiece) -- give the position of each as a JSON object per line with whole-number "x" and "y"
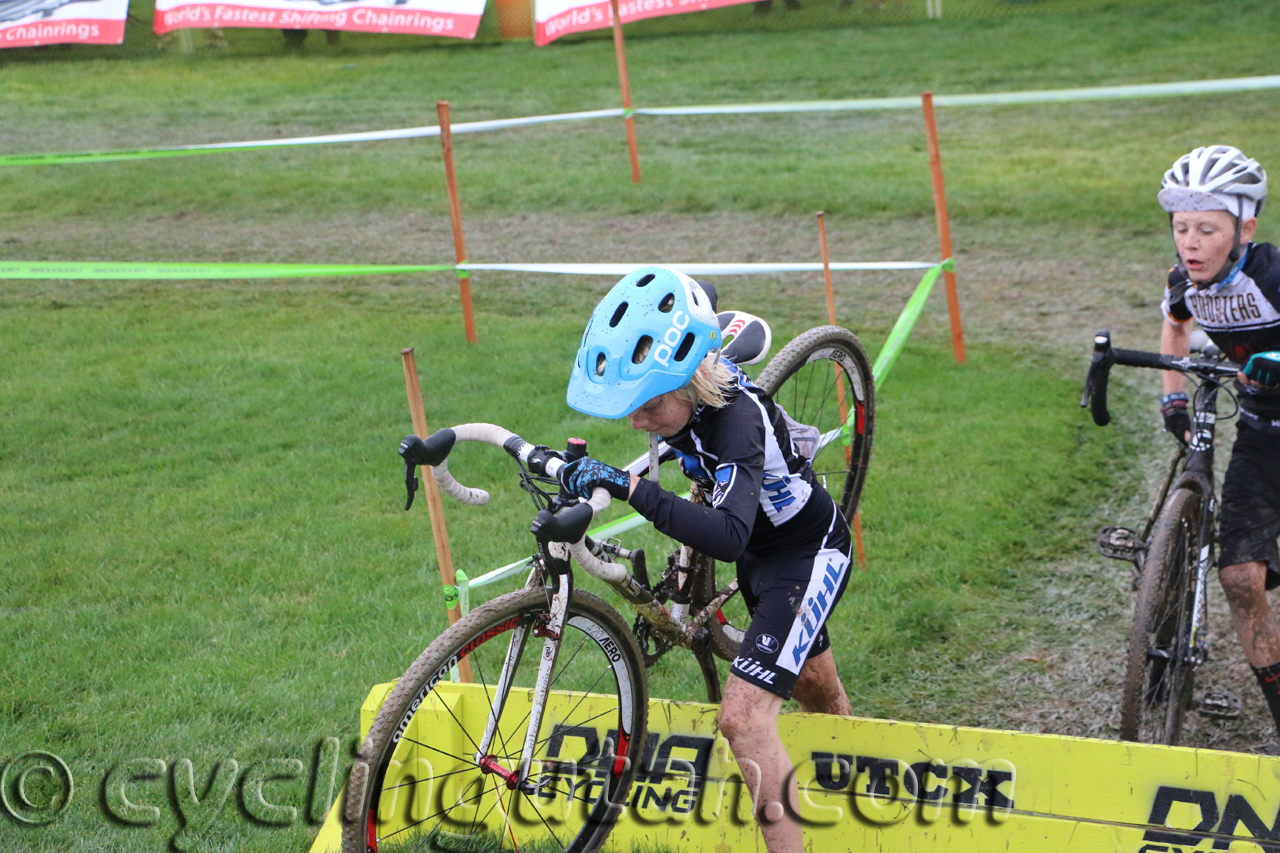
{"x": 582, "y": 476}
{"x": 1176, "y": 420}
{"x": 1264, "y": 368}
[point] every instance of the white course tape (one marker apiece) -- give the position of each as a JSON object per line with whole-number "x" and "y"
{"x": 1095, "y": 93}
{"x": 1194, "y": 87}
{"x": 402, "y": 133}
{"x": 698, "y": 269}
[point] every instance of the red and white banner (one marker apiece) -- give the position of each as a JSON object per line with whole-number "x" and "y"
{"x": 457, "y": 18}
{"x": 557, "y": 18}
{"x": 29, "y": 23}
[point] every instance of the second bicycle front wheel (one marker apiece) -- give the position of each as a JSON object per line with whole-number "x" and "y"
{"x": 819, "y": 376}
{"x": 421, "y": 781}
{"x": 1160, "y": 672}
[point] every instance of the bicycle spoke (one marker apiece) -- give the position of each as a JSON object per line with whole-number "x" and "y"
{"x": 429, "y": 817}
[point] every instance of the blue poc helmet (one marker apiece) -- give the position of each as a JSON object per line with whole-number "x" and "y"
{"x": 645, "y": 338}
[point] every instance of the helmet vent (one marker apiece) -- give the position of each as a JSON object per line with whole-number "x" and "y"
{"x": 617, "y": 315}
{"x": 645, "y": 279}
{"x": 601, "y": 360}
{"x": 667, "y": 302}
{"x": 683, "y": 350}
{"x": 642, "y": 349}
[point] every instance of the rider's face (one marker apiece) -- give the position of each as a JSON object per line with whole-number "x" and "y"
{"x": 665, "y": 415}
{"x": 1204, "y": 240}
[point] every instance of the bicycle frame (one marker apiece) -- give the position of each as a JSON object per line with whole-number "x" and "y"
{"x": 560, "y": 533}
{"x": 1197, "y": 471}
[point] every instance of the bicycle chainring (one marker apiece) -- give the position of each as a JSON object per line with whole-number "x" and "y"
{"x": 653, "y": 647}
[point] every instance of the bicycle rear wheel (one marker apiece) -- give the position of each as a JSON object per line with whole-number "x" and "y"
{"x": 811, "y": 377}
{"x": 1160, "y": 673}
{"x": 420, "y": 783}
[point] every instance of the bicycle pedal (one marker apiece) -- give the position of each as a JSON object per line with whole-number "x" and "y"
{"x": 1221, "y": 705}
{"x": 1120, "y": 543}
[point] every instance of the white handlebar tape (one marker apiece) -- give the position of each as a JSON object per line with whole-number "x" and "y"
{"x": 457, "y": 491}
{"x": 607, "y": 572}
{"x": 487, "y": 433}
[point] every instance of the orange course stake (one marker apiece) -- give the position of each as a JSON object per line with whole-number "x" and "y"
{"x": 434, "y": 508}
{"x": 944, "y": 227}
{"x": 620, "y": 49}
{"x": 455, "y": 218}
{"x": 844, "y": 409}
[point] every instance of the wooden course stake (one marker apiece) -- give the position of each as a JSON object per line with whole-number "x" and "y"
{"x": 455, "y": 218}
{"x": 844, "y": 408}
{"x": 944, "y": 227}
{"x": 619, "y": 48}
{"x": 434, "y": 508}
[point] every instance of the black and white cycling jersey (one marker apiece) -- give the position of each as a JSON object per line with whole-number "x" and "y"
{"x": 1242, "y": 316}
{"x": 763, "y": 494}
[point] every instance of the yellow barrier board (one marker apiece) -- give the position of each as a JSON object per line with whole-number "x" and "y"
{"x": 887, "y": 786}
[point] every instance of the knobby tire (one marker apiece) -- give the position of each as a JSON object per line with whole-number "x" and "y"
{"x": 463, "y": 808}
{"x": 1160, "y": 674}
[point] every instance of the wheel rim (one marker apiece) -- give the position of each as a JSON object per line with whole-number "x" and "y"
{"x": 432, "y": 793}
{"x": 812, "y": 395}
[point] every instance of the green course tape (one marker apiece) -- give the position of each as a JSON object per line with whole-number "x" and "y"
{"x": 898, "y": 337}
{"x": 906, "y": 321}
{"x": 193, "y": 272}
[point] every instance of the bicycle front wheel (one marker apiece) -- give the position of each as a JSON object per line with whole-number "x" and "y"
{"x": 422, "y": 782}
{"x": 1161, "y": 670}
{"x": 823, "y": 378}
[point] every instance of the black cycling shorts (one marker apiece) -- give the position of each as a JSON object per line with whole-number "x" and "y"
{"x": 1249, "y": 516}
{"x": 790, "y": 597}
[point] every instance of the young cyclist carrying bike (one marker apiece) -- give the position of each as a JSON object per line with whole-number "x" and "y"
{"x": 1231, "y": 287}
{"x": 651, "y": 352}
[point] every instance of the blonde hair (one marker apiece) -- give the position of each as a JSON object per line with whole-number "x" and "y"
{"x": 712, "y": 384}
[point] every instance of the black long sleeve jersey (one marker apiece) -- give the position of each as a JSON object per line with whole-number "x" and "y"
{"x": 1242, "y": 318}
{"x": 764, "y": 497}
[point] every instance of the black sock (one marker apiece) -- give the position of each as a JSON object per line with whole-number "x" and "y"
{"x": 1269, "y": 680}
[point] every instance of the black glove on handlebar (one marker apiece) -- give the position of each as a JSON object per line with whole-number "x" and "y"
{"x": 582, "y": 476}
{"x": 1176, "y": 419}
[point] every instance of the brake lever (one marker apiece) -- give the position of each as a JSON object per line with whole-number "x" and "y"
{"x": 410, "y": 483}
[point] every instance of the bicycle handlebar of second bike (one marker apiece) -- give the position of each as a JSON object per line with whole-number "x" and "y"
{"x": 1104, "y": 355}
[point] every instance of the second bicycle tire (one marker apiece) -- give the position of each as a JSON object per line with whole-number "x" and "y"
{"x": 1160, "y": 673}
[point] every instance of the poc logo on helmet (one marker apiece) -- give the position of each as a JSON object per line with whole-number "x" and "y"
{"x": 671, "y": 337}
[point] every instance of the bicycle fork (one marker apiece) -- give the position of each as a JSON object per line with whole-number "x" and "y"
{"x": 551, "y": 631}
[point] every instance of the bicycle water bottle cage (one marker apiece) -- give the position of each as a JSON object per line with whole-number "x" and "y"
{"x": 565, "y": 525}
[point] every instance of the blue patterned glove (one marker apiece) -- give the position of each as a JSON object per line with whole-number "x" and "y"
{"x": 1264, "y": 368}
{"x": 582, "y": 476}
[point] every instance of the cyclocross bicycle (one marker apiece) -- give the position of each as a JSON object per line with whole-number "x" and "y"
{"x": 542, "y": 748}
{"x": 1172, "y": 556}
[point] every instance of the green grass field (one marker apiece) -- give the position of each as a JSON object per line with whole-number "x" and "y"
{"x": 203, "y": 553}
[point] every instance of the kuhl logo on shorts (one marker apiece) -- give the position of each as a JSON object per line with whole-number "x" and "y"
{"x": 818, "y": 600}
{"x": 751, "y": 668}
